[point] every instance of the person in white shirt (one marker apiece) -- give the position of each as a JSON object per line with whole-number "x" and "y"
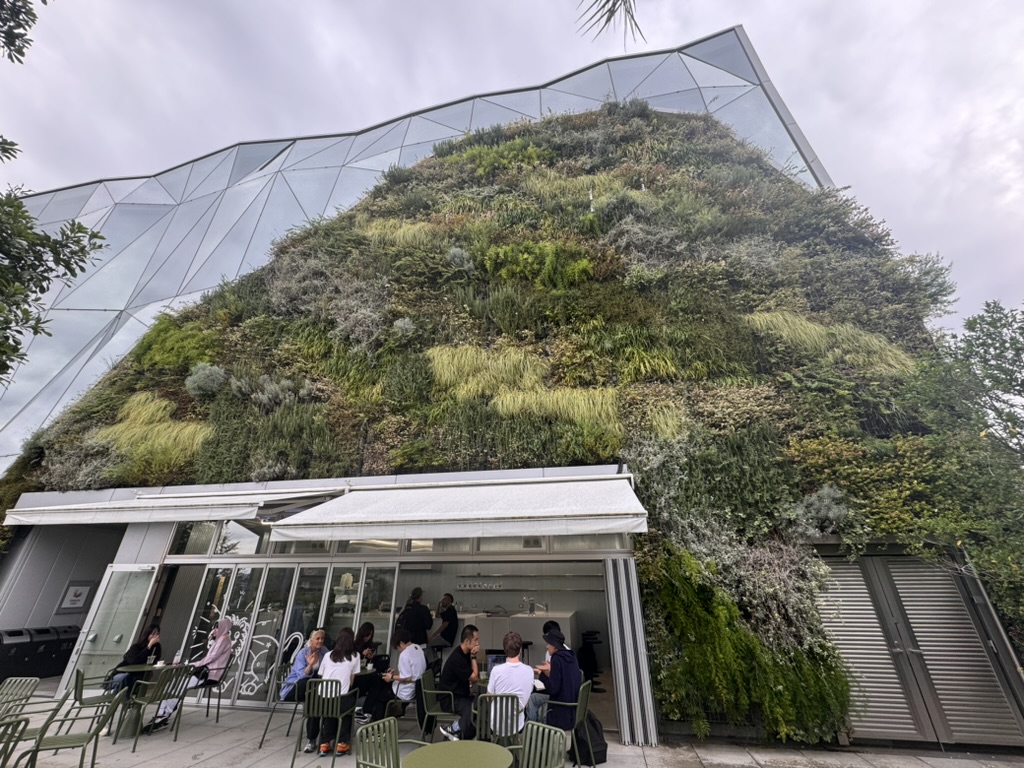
{"x": 397, "y": 684}
{"x": 512, "y": 677}
{"x": 341, "y": 664}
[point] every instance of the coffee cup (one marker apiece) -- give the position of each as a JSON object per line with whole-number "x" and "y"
{"x": 160, "y": 663}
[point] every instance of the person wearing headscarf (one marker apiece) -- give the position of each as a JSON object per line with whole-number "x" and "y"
{"x": 208, "y": 670}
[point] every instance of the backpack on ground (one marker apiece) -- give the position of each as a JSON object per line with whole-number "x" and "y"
{"x": 592, "y": 726}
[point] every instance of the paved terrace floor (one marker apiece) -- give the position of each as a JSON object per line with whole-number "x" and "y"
{"x": 232, "y": 744}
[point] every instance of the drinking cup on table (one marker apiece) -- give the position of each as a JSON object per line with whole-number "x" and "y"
{"x": 150, "y": 659}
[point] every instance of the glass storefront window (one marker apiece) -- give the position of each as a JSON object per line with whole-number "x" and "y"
{"x": 590, "y": 541}
{"x": 264, "y": 647}
{"x": 193, "y": 538}
{"x": 242, "y": 537}
{"x": 305, "y": 613}
{"x": 368, "y": 546}
{"x": 240, "y": 609}
{"x": 513, "y": 544}
{"x": 341, "y": 600}
{"x": 208, "y": 611}
{"x": 301, "y": 547}
{"x": 437, "y": 545}
{"x": 378, "y": 603}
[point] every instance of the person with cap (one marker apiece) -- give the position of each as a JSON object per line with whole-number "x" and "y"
{"x": 563, "y": 681}
{"x": 539, "y": 698}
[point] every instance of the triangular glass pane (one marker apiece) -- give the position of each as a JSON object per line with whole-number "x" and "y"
{"x": 378, "y": 140}
{"x": 215, "y": 181}
{"x": 36, "y": 203}
{"x": 307, "y": 153}
{"x": 112, "y": 285}
{"x": 312, "y": 188}
{"x": 271, "y": 167}
{"x": 66, "y": 204}
{"x": 100, "y": 199}
{"x": 707, "y": 75}
{"x": 250, "y": 157}
{"x": 716, "y": 98}
{"x": 755, "y": 121}
{"x": 422, "y": 130}
{"x": 557, "y": 103}
{"x": 226, "y": 258}
{"x": 352, "y": 184}
{"x": 627, "y": 74}
{"x": 725, "y": 52}
{"x": 234, "y": 205}
{"x": 119, "y": 189}
{"x": 151, "y": 192}
{"x": 281, "y": 214}
{"x": 487, "y": 114}
{"x": 379, "y": 162}
{"x": 669, "y": 77}
{"x": 200, "y": 169}
{"x": 413, "y": 153}
{"x": 524, "y": 102}
{"x": 594, "y": 83}
{"x": 683, "y": 101}
{"x": 175, "y": 179}
{"x": 126, "y": 222}
{"x": 94, "y": 220}
{"x": 456, "y": 116}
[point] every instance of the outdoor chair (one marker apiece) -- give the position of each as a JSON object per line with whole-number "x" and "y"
{"x": 581, "y": 705}
{"x": 11, "y": 729}
{"x": 284, "y": 666}
{"x": 497, "y": 719}
{"x": 432, "y": 710}
{"x": 325, "y": 699}
{"x": 207, "y": 688}
{"x": 15, "y": 693}
{"x": 81, "y": 698}
{"x": 84, "y": 726}
{"x": 543, "y": 747}
{"x": 376, "y": 744}
{"x": 169, "y": 683}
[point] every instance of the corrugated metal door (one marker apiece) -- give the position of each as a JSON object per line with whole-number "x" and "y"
{"x": 921, "y": 670}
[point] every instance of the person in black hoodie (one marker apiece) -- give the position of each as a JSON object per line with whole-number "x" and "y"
{"x": 137, "y": 653}
{"x": 563, "y": 681}
{"x": 416, "y": 618}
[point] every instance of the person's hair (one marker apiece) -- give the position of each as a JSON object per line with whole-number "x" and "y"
{"x": 316, "y": 632}
{"x": 144, "y": 637}
{"x": 400, "y": 637}
{"x": 512, "y": 644}
{"x": 344, "y": 646}
{"x": 449, "y": 595}
{"x": 416, "y": 594}
{"x": 548, "y": 626}
{"x": 468, "y": 631}
{"x": 365, "y": 634}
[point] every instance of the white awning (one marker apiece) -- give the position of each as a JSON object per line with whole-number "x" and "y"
{"x": 548, "y": 507}
{"x": 154, "y": 509}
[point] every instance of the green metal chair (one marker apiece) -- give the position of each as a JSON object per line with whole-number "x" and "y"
{"x": 543, "y": 747}
{"x": 80, "y": 686}
{"x": 15, "y": 693}
{"x": 77, "y": 737}
{"x": 376, "y": 744}
{"x": 582, "y": 704}
{"x": 497, "y": 719}
{"x": 432, "y": 710}
{"x": 169, "y": 683}
{"x": 325, "y": 699}
{"x": 283, "y": 668}
{"x": 12, "y": 727}
{"x": 207, "y": 688}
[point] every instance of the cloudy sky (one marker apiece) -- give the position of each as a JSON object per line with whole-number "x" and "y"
{"x": 917, "y": 106}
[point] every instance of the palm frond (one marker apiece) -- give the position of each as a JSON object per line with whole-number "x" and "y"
{"x": 601, "y": 14}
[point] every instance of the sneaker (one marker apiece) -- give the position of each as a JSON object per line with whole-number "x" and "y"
{"x": 310, "y": 747}
{"x": 449, "y": 734}
{"x": 342, "y": 748}
{"x": 160, "y": 724}
{"x": 364, "y": 718}
{"x": 325, "y": 750}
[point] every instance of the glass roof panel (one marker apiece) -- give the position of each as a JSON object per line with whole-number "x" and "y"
{"x": 413, "y": 153}
{"x": 725, "y": 52}
{"x": 126, "y": 222}
{"x": 594, "y": 83}
{"x": 250, "y": 157}
{"x": 36, "y": 203}
{"x": 95, "y": 219}
{"x": 226, "y": 258}
{"x": 487, "y": 114}
{"x": 151, "y": 191}
{"x": 457, "y": 116}
{"x": 524, "y": 102}
{"x": 378, "y": 140}
{"x": 281, "y": 213}
{"x": 66, "y": 204}
{"x": 352, "y": 184}
{"x": 235, "y": 203}
{"x": 306, "y": 153}
{"x": 627, "y": 74}
{"x": 201, "y": 169}
{"x": 558, "y": 103}
{"x": 215, "y": 181}
{"x": 421, "y": 130}
{"x": 716, "y": 98}
{"x": 753, "y": 117}
{"x": 707, "y": 75}
{"x": 669, "y": 77}
{"x": 380, "y": 162}
{"x": 312, "y": 188}
{"x": 175, "y": 179}
{"x": 100, "y": 199}
{"x": 682, "y": 101}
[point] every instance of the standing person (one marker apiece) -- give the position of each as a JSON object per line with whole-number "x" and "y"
{"x": 539, "y": 698}
{"x": 512, "y": 677}
{"x": 397, "y": 684}
{"x": 459, "y": 675}
{"x": 449, "y": 623}
{"x": 563, "y": 681}
{"x": 304, "y": 668}
{"x": 341, "y": 664}
{"x": 215, "y": 662}
{"x": 415, "y": 618}
{"x": 148, "y": 645}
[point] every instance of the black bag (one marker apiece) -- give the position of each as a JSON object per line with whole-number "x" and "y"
{"x": 596, "y": 730}
{"x": 202, "y": 673}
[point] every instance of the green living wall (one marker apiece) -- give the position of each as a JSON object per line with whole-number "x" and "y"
{"x": 622, "y": 284}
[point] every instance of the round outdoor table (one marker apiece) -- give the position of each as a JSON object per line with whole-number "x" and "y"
{"x": 444, "y": 754}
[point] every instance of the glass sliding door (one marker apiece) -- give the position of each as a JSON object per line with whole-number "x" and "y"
{"x": 241, "y": 609}
{"x": 377, "y": 602}
{"x": 268, "y": 630}
{"x": 342, "y": 599}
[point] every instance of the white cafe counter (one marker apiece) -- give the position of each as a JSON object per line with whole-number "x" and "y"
{"x": 493, "y": 629}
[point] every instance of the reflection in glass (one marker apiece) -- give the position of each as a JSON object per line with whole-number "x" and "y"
{"x": 709, "y": 76}
{"x": 438, "y": 545}
{"x": 372, "y": 546}
{"x": 242, "y": 537}
{"x": 301, "y": 547}
{"x": 588, "y": 542}
{"x": 193, "y": 538}
{"x": 378, "y": 603}
{"x": 340, "y": 611}
{"x": 309, "y": 595}
{"x": 513, "y": 544}
{"x": 209, "y": 610}
{"x": 725, "y": 52}
{"x": 258, "y": 667}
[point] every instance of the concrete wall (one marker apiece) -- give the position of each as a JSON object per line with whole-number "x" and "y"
{"x": 36, "y": 574}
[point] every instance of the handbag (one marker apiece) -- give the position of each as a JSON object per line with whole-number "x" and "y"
{"x": 202, "y": 673}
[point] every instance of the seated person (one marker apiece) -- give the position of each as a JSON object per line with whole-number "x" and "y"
{"x": 459, "y": 675}
{"x": 540, "y": 697}
{"x": 512, "y": 677}
{"x": 215, "y": 662}
{"x": 397, "y": 684}
{"x": 563, "y": 681}
{"x": 341, "y": 664}
{"x": 304, "y": 668}
{"x": 137, "y": 653}
{"x": 367, "y": 649}
{"x": 444, "y": 635}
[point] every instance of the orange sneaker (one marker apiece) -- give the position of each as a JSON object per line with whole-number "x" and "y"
{"x": 343, "y": 748}
{"x": 325, "y": 749}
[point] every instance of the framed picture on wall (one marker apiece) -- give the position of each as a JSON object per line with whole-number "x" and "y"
{"x": 76, "y": 597}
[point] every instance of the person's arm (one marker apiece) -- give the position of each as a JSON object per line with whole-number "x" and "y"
{"x": 474, "y": 675}
{"x": 554, "y": 682}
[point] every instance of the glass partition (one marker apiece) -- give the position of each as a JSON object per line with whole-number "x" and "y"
{"x": 342, "y": 600}
{"x": 378, "y": 600}
{"x": 267, "y": 627}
